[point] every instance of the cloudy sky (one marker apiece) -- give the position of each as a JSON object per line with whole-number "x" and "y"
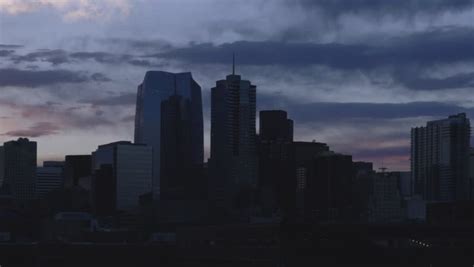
{"x": 356, "y": 74}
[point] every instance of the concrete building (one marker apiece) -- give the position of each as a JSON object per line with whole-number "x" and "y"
{"x": 122, "y": 173}
{"x": 440, "y": 159}
{"x": 20, "y": 168}
{"x": 49, "y": 177}
{"x": 169, "y": 119}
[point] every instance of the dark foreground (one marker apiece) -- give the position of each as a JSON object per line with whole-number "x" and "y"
{"x": 342, "y": 245}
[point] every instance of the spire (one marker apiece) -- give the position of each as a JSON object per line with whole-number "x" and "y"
{"x": 233, "y": 63}
{"x": 175, "y": 87}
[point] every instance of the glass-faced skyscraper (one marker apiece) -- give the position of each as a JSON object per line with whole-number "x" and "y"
{"x": 233, "y": 162}
{"x": 169, "y": 119}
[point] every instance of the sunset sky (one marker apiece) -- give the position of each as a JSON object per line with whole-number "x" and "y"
{"x": 356, "y": 74}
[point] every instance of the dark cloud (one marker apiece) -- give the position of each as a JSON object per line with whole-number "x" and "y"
{"x": 141, "y": 62}
{"x": 404, "y": 58}
{"x": 54, "y": 57}
{"x": 37, "y": 130}
{"x": 110, "y": 58}
{"x": 35, "y": 78}
{"x": 136, "y": 45}
{"x": 99, "y": 77}
{"x": 9, "y": 46}
{"x": 5, "y": 53}
{"x": 386, "y": 7}
{"x": 101, "y": 57}
{"x": 58, "y": 56}
{"x": 323, "y": 112}
{"x": 124, "y": 99}
{"x": 408, "y": 79}
{"x": 446, "y": 45}
{"x": 400, "y": 151}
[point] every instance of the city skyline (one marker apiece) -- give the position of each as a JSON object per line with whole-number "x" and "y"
{"x": 347, "y": 81}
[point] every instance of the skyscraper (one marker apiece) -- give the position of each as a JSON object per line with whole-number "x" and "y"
{"x": 233, "y": 162}
{"x": 20, "y": 168}
{"x": 440, "y": 158}
{"x": 169, "y": 119}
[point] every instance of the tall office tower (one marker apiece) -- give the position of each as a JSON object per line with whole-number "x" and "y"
{"x": 274, "y": 159}
{"x": 169, "y": 119}
{"x": 49, "y": 177}
{"x": 77, "y": 171}
{"x": 20, "y": 168}
{"x": 233, "y": 162}
{"x": 440, "y": 159}
{"x": 122, "y": 173}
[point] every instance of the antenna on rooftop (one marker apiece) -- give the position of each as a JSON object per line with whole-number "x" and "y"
{"x": 233, "y": 63}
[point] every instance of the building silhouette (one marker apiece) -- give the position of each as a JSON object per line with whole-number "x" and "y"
{"x": 385, "y": 205}
{"x": 169, "y": 119}
{"x": 20, "y": 168}
{"x": 275, "y": 126}
{"x": 49, "y": 177}
{"x": 77, "y": 171}
{"x": 302, "y": 155}
{"x": 440, "y": 159}
{"x": 233, "y": 161}
{"x": 328, "y": 188}
{"x": 276, "y": 173}
{"x": 122, "y": 173}
{"x": 2, "y": 166}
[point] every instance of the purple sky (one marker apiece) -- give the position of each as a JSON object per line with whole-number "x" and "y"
{"x": 355, "y": 74}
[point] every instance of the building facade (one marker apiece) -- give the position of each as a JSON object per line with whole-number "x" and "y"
{"x": 122, "y": 174}
{"x": 385, "y": 205}
{"x": 49, "y": 177}
{"x": 20, "y": 168}
{"x": 440, "y": 159}
{"x": 77, "y": 171}
{"x": 233, "y": 161}
{"x": 274, "y": 159}
{"x": 169, "y": 119}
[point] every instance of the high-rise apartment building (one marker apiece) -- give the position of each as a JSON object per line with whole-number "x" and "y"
{"x": 440, "y": 159}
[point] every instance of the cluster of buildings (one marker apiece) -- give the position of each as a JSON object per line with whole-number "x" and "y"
{"x": 160, "y": 179}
